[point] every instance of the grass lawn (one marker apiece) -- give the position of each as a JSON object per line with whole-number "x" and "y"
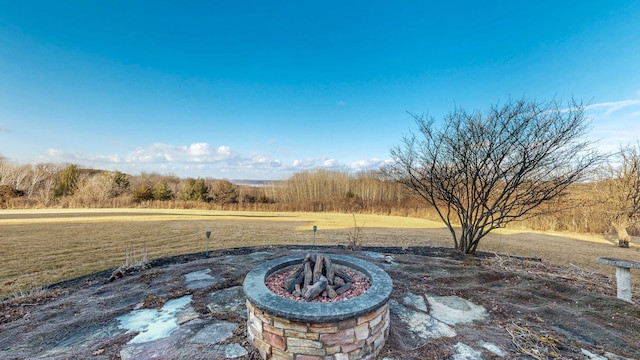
{"x": 39, "y": 247}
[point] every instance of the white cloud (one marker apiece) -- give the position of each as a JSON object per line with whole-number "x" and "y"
{"x": 369, "y": 164}
{"x": 613, "y": 106}
{"x": 194, "y": 153}
{"x": 332, "y": 164}
{"x": 55, "y": 153}
{"x": 194, "y": 160}
{"x": 337, "y": 165}
{"x": 318, "y": 163}
{"x": 59, "y": 155}
{"x": 224, "y": 152}
{"x": 304, "y": 164}
{"x": 199, "y": 149}
{"x": 265, "y": 161}
{"x": 4, "y": 129}
{"x": 615, "y": 123}
{"x": 205, "y": 160}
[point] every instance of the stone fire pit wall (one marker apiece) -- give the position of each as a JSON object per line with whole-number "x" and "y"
{"x": 352, "y": 329}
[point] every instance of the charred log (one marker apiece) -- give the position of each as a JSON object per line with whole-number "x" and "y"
{"x": 316, "y": 289}
{"x": 317, "y": 276}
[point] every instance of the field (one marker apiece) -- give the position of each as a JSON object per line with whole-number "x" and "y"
{"x": 40, "y": 247}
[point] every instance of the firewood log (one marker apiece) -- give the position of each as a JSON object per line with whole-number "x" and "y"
{"x": 308, "y": 259}
{"x": 317, "y": 269}
{"x": 308, "y": 276}
{"x": 331, "y": 293}
{"x": 294, "y": 277}
{"x": 329, "y": 273}
{"x": 291, "y": 283}
{"x": 315, "y": 289}
{"x": 344, "y": 276}
{"x": 297, "y": 292}
{"x": 342, "y": 289}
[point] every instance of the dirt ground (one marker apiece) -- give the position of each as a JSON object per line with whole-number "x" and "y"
{"x": 548, "y": 311}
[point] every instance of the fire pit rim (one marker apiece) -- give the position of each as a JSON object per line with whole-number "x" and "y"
{"x": 264, "y": 299}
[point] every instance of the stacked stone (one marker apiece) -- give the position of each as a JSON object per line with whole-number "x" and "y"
{"x": 360, "y": 338}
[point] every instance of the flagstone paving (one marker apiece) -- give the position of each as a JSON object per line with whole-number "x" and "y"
{"x": 194, "y": 307}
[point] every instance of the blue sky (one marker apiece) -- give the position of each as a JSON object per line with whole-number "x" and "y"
{"x": 263, "y": 89}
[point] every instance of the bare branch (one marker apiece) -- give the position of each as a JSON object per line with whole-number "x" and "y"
{"x": 481, "y": 171}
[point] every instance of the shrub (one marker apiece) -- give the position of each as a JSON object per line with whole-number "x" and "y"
{"x": 142, "y": 193}
{"x": 224, "y": 192}
{"x": 7, "y": 192}
{"x": 162, "y": 191}
{"x": 68, "y": 181}
{"x": 195, "y": 190}
{"x": 119, "y": 183}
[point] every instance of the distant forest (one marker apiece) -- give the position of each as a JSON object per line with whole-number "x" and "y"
{"x": 585, "y": 208}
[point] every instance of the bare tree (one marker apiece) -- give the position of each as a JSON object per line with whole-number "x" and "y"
{"x": 481, "y": 171}
{"x": 7, "y": 171}
{"x": 223, "y": 192}
{"x": 620, "y": 192}
{"x": 4, "y": 165}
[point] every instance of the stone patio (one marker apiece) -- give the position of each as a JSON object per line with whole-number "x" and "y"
{"x": 202, "y": 313}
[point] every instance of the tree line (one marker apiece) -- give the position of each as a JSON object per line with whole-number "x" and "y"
{"x": 71, "y": 186}
{"x": 595, "y": 207}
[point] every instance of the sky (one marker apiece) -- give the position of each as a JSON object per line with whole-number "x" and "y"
{"x": 264, "y": 89}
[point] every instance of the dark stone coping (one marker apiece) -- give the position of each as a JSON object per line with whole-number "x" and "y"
{"x": 628, "y": 264}
{"x": 266, "y": 300}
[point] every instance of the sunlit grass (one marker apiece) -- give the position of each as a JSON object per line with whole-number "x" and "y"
{"x": 323, "y": 220}
{"x": 595, "y": 238}
{"x": 43, "y": 246}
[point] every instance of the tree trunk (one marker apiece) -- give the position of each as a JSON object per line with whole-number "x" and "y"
{"x": 623, "y": 235}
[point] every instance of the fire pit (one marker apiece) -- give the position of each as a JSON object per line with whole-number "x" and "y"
{"x": 351, "y": 329}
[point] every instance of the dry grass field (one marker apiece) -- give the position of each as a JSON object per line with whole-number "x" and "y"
{"x": 39, "y": 247}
